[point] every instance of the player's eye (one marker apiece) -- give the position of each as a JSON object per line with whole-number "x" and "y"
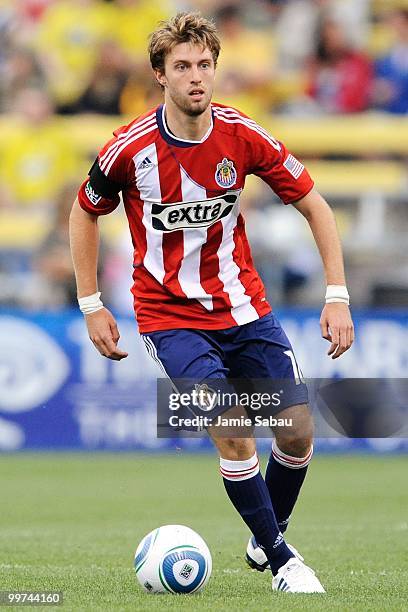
{"x": 181, "y": 67}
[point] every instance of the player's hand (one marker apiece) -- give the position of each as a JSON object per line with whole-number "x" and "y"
{"x": 104, "y": 333}
{"x": 337, "y": 327}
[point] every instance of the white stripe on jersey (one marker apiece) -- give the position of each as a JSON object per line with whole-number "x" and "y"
{"x": 193, "y": 240}
{"x": 125, "y": 144}
{"x": 149, "y": 189}
{"x": 242, "y": 121}
{"x": 231, "y": 112}
{"x": 242, "y": 310}
{"x": 133, "y": 129}
{"x": 236, "y": 118}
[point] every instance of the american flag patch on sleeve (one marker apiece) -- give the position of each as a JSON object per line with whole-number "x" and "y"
{"x": 293, "y": 166}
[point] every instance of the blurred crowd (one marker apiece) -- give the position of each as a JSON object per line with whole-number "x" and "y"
{"x": 332, "y": 56}
{"x": 62, "y": 58}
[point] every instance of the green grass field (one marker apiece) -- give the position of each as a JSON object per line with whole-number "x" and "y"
{"x": 71, "y": 523}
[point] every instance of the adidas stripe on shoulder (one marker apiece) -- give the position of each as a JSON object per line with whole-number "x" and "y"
{"x": 129, "y": 136}
{"x": 230, "y": 115}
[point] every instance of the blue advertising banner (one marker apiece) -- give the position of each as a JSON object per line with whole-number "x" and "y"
{"x": 57, "y": 392}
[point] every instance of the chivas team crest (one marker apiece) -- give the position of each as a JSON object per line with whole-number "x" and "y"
{"x": 226, "y": 175}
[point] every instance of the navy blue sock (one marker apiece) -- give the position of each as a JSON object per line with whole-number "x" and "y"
{"x": 248, "y": 492}
{"x": 284, "y": 478}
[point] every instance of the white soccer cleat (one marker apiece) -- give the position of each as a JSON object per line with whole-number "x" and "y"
{"x": 256, "y": 558}
{"x": 296, "y": 577}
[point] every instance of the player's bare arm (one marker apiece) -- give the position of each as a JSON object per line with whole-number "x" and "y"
{"x": 84, "y": 238}
{"x": 335, "y": 321}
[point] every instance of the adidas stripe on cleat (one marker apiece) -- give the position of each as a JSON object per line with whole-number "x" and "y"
{"x": 296, "y": 577}
{"x": 256, "y": 558}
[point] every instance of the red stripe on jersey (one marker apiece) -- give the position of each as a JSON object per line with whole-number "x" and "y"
{"x": 209, "y": 270}
{"x": 142, "y": 279}
{"x": 247, "y": 275}
{"x": 173, "y": 242}
{"x": 135, "y": 219}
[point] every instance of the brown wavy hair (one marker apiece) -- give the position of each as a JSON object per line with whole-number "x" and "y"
{"x": 183, "y": 28}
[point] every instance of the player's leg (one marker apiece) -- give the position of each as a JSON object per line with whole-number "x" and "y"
{"x": 266, "y": 353}
{"x": 239, "y": 467}
{"x": 247, "y": 491}
{"x": 261, "y": 350}
{"x": 291, "y": 453}
{"x": 285, "y": 474}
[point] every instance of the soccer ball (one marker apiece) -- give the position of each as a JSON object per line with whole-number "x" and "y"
{"x": 172, "y": 559}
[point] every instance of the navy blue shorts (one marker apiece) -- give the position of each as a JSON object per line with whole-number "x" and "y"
{"x": 256, "y": 356}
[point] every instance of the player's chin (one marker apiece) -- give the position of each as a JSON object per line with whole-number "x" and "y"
{"x": 195, "y": 108}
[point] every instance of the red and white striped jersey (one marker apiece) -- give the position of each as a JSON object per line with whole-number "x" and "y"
{"x": 192, "y": 261}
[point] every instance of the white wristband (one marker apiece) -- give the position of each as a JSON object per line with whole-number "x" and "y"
{"x": 337, "y": 293}
{"x": 91, "y": 303}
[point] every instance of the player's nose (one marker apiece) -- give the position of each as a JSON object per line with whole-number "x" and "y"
{"x": 195, "y": 75}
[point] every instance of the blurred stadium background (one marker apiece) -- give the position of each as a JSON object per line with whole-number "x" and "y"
{"x": 328, "y": 77}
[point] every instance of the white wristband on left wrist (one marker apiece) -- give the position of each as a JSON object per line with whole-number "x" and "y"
{"x": 337, "y": 293}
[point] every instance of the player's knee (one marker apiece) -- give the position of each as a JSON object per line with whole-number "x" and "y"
{"x": 296, "y": 440}
{"x": 295, "y": 445}
{"x": 236, "y": 449}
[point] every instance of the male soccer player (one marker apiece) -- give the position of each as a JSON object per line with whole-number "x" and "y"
{"x": 200, "y": 304}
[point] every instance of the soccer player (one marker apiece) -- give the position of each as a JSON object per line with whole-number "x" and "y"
{"x": 199, "y": 302}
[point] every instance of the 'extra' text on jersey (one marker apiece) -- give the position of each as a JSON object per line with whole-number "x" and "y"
{"x": 186, "y": 215}
{"x": 192, "y": 261}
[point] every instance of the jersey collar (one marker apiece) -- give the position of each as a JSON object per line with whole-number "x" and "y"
{"x": 171, "y": 138}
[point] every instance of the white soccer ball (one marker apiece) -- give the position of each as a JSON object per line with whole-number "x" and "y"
{"x": 173, "y": 559}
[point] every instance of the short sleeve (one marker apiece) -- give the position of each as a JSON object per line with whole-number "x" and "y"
{"x": 284, "y": 173}
{"x": 109, "y": 174}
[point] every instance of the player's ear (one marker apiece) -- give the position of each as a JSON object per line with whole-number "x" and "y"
{"x": 161, "y": 78}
